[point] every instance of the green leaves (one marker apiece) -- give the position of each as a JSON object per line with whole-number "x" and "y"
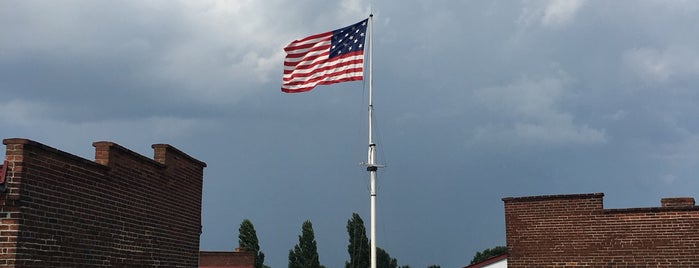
{"x": 305, "y": 253}
{"x": 487, "y": 253}
{"x": 358, "y": 247}
{"x": 247, "y": 239}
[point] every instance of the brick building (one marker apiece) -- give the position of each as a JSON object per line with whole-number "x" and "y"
{"x": 576, "y": 231}
{"x": 227, "y": 259}
{"x": 121, "y": 210}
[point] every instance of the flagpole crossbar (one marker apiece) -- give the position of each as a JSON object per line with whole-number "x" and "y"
{"x": 372, "y": 167}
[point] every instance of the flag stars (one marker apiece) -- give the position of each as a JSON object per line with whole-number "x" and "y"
{"x": 348, "y": 40}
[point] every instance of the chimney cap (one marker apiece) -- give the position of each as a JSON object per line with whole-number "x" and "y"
{"x": 675, "y": 202}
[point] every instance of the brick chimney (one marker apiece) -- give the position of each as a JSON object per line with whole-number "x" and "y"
{"x": 677, "y": 202}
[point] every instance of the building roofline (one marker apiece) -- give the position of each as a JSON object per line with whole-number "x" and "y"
{"x": 490, "y": 260}
{"x": 673, "y": 204}
{"x": 552, "y": 197}
{"x": 649, "y": 209}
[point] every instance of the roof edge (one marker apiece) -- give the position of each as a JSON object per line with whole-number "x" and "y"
{"x": 490, "y": 260}
{"x": 552, "y": 197}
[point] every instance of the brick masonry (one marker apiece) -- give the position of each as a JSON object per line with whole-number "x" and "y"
{"x": 227, "y": 259}
{"x": 576, "y": 231}
{"x": 121, "y": 210}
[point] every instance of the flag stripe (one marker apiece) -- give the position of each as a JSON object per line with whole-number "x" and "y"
{"x": 309, "y": 40}
{"x": 331, "y": 80}
{"x": 356, "y": 64}
{"x": 321, "y": 62}
{"x": 309, "y": 62}
{"x": 318, "y": 48}
{"x": 335, "y": 70}
{"x": 345, "y": 73}
{"x": 321, "y": 55}
{"x": 295, "y": 78}
{"x": 300, "y": 47}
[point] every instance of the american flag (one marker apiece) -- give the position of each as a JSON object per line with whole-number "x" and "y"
{"x": 325, "y": 58}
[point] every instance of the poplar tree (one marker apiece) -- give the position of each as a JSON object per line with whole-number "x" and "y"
{"x": 384, "y": 260}
{"x": 305, "y": 253}
{"x": 358, "y": 247}
{"x": 247, "y": 239}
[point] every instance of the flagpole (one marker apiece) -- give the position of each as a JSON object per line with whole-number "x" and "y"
{"x": 371, "y": 163}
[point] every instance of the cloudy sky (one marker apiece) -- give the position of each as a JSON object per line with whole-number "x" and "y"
{"x": 475, "y": 101}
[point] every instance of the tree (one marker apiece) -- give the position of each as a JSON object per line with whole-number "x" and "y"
{"x": 247, "y": 239}
{"x": 488, "y": 253}
{"x": 305, "y": 253}
{"x": 384, "y": 260}
{"x": 358, "y": 247}
{"x": 434, "y": 266}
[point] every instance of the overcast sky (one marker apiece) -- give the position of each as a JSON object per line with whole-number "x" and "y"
{"x": 475, "y": 101}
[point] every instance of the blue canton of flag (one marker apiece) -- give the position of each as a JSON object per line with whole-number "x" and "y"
{"x": 348, "y": 39}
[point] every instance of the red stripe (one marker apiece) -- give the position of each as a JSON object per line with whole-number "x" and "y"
{"x": 299, "y": 90}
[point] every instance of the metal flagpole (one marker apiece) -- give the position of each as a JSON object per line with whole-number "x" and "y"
{"x": 372, "y": 167}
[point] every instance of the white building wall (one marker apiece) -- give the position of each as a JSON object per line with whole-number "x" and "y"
{"x": 499, "y": 264}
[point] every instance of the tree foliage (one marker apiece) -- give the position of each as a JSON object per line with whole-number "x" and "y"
{"x": 305, "y": 253}
{"x": 247, "y": 239}
{"x": 358, "y": 247}
{"x": 384, "y": 260}
{"x": 488, "y": 253}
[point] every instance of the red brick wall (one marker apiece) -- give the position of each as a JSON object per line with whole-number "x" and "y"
{"x": 227, "y": 259}
{"x": 122, "y": 210}
{"x": 575, "y": 231}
